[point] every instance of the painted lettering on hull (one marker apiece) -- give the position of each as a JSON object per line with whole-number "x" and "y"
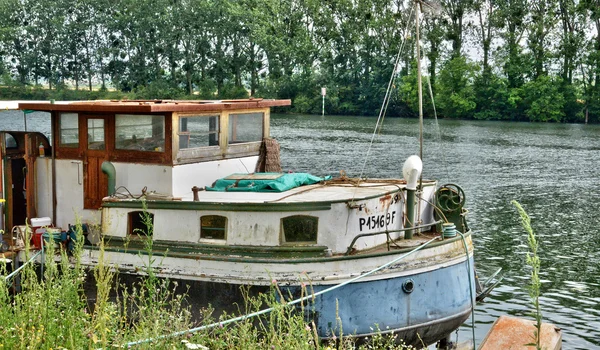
{"x": 377, "y": 221}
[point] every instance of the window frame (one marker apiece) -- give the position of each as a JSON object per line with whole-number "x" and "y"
{"x": 225, "y": 150}
{"x": 231, "y": 131}
{"x": 130, "y": 223}
{"x": 199, "y": 115}
{"x": 163, "y": 157}
{"x": 282, "y": 236}
{"x": 59, "y": 129}
{"x": 164, "y": 132}
{"x": 225, "y": 229}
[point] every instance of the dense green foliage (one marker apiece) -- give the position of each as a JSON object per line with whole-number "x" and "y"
{"x": 504, "y": 60}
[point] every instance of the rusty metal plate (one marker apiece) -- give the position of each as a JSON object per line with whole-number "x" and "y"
{"x": 513, "y": 333}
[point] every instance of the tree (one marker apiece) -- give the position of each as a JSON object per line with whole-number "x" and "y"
{"x": 456, "y": 11}
{"x": 573, "y": 34}
{"x": 543, "y": 19}
{"x": 434, "y": 34}
{"x": 486, "y": 13}
{"x": 456, "y": 96}
{"x": 510, "y": 21}
{"x": 493, "y": 98}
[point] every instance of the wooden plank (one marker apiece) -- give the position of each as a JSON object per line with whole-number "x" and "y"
{"x": 513, "y": 333}
{"x": 153, "y": 106}
{"x": 31, "y": 153}
{"x": 95, "y": 183}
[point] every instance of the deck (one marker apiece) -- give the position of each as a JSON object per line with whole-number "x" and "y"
{"x": 329, "y": 191}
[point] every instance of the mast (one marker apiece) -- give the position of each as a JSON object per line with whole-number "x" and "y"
{"x": 420, "y": 85}
{"x": 419, "y": 82}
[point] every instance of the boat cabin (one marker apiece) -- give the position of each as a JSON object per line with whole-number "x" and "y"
{"x": 195, "y": 168}
{"x": 164, "y": 147}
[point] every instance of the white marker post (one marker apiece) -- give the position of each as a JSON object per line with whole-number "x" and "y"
{"x": 323, "y": 93}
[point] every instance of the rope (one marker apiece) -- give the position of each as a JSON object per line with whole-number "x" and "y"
{"x": 437, "y": 129}
{"x": 470, "y": 287}
{"x": 268, "y": 157}
{"x": 14, "y": 273}
{"x": 387, "y": 102}
{"x": 293, "y": 302}
{"x": 387, "y": 95}
{"x": 129, "y": 194}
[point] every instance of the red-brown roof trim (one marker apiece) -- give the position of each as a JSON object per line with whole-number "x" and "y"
{"x": 154, "y": 106}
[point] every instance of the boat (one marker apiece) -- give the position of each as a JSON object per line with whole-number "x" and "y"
{"x": 201, "y": 181}
{"x": 193, "y": 169}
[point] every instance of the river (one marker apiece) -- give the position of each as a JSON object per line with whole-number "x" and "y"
{"x": 551, "y": 169}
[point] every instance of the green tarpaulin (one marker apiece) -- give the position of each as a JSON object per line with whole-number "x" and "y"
{"x": 264, "y": 182}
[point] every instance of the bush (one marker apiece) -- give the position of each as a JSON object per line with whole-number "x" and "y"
{"x": 544, "y": 100}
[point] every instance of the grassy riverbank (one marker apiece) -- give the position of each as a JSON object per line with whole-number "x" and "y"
{"x": 52, "y": 312}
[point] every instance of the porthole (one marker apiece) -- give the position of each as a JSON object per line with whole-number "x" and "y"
{"x": 408, "y": 286}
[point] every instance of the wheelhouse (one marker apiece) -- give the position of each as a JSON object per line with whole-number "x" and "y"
{"x": 169, "y": 146}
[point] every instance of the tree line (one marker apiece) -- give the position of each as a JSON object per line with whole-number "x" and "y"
{"x": 530, "y": 60}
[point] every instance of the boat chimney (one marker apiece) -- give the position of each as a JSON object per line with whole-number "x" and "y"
{"x": 109, "y": 169}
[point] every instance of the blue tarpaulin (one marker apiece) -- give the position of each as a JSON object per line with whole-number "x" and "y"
{"x": 264, "y": 182}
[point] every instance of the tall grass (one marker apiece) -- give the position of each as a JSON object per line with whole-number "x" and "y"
{"x": 52, "y": 312}
{"x": 533, "y": 260}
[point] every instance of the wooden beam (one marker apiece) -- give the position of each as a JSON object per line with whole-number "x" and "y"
{"x": 153, "y": 106}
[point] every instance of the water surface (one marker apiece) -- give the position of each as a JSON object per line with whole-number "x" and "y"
{"x": 551, "y": 169}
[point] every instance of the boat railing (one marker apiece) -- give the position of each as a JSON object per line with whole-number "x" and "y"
{"x": 387, "y": 232}
{"x": 17, "y": 271}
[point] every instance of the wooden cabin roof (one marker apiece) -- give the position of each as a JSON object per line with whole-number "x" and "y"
{"x": 153, "y": 106}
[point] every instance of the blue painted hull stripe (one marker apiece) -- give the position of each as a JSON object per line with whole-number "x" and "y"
{"x": 462, "y": 315}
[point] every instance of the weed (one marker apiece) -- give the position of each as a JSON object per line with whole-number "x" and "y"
{"x": 534, "y": 261}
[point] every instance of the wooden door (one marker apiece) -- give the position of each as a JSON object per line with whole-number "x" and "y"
{"x": 94, "y": 153}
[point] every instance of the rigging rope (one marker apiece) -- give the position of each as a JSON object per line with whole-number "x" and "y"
{"x": 470, "y": 287}
{"x": 437, "y": 129}
{"x": 386, "y": 99}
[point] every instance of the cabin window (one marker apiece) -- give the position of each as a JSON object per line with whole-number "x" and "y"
{"x": 198, "y": 131}
{"x": 140, "y": 223}
{"x": 245, "y": 127}
{"x": 95, "y": 131}
{"x": 10, "y": 141}
{"x": 140, "y": 132}
{"x": 69, "y": 130}
{"x": 300, "y": 229}
{"x": 213, "y": 227}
